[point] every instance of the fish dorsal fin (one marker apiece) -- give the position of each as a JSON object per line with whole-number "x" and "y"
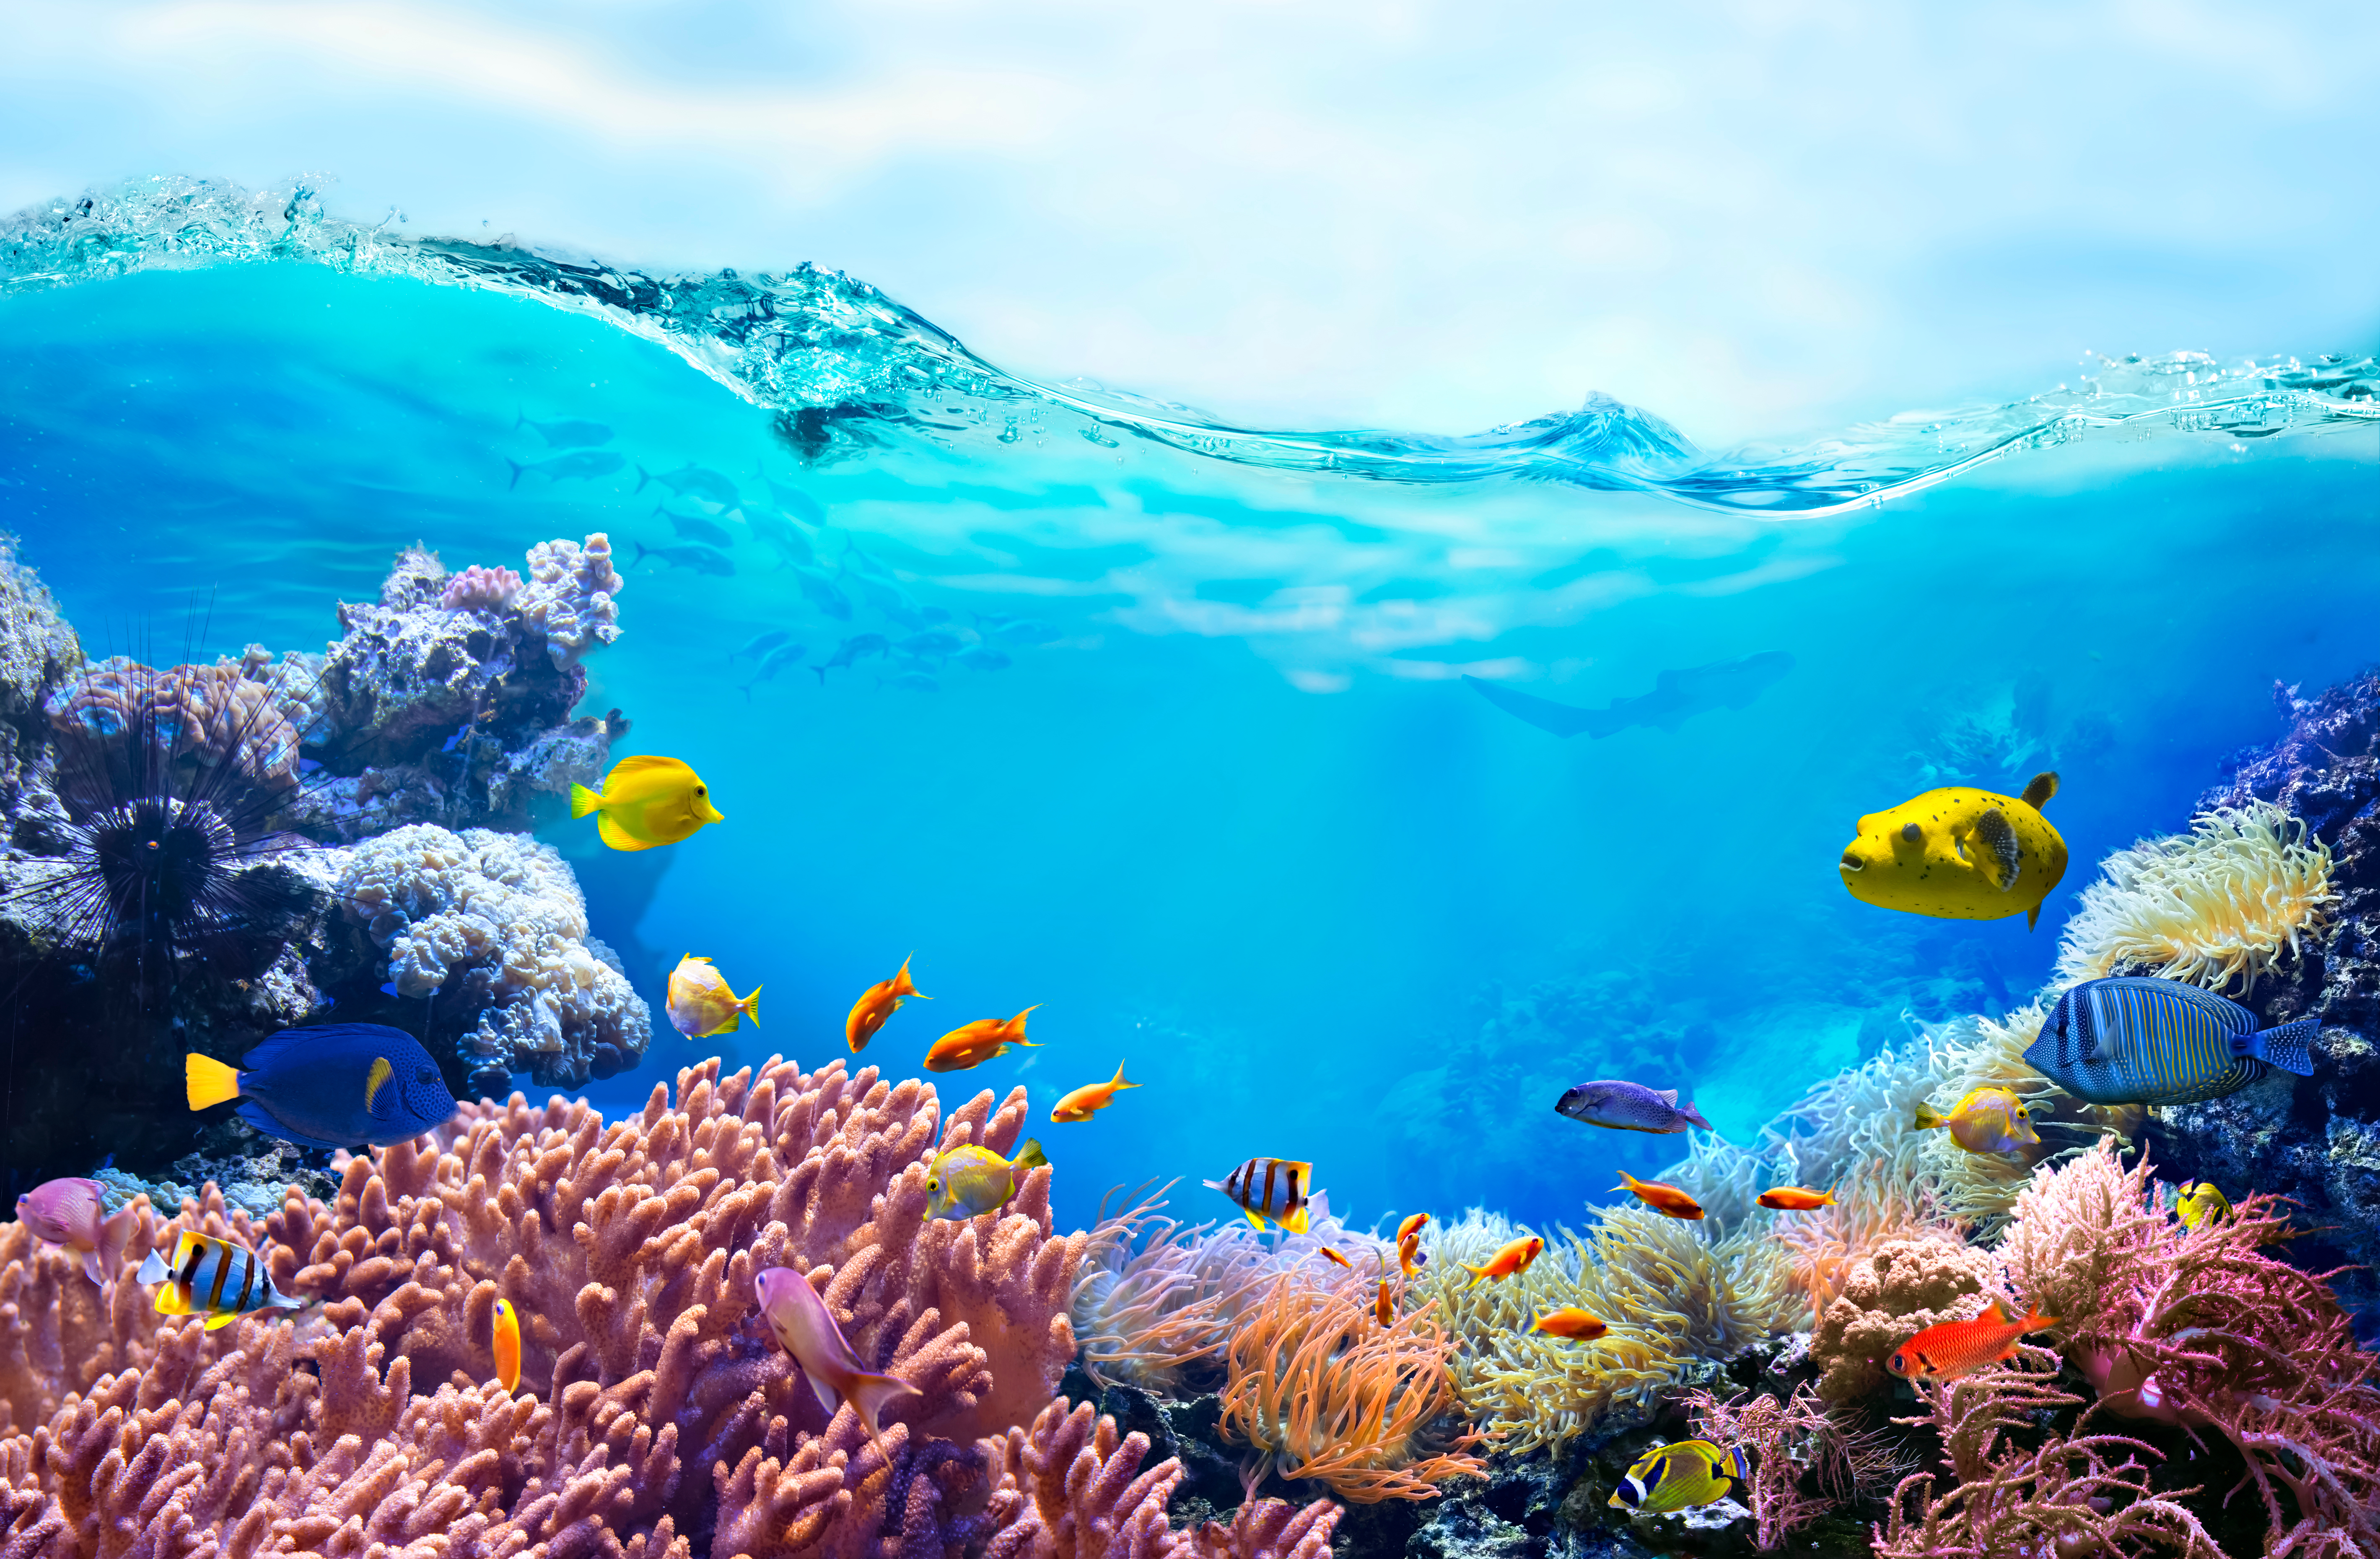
{"x": 1999, "y": 856}
{"x": 1668, "y": 1096}
{"x": 645, "y": 765}
{"x": 2039, "y": 789}
{"x": 266, "y": 1052}
{"x": 1996, "y": 1313}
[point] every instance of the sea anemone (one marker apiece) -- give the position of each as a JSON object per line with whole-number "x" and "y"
{"x": 2215, "y": 906}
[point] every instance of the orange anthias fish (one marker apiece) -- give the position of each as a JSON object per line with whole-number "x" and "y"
{"x": 1794, "y": 1198}
{"x": 876, "y": 1004}
{"x": 1660, "y": 1197}
{"x": 1409, "y": 1256}
{"x": 506, "y": 1344}
{"x": 1572, "y": 1322}
{"x": 1962, "y": 1347}
{"x": 972, "y": 1045}
{"x": 1515, "y": 1256}
{"x": 1384, "y": 1306}
{"x": 1334, "y": 1256}
{"x": 1088, "y": 1100}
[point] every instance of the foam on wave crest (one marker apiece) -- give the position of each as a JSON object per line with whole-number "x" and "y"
{"x": 841, "y": 365}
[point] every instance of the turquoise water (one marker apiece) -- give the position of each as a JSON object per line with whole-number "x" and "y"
{"x": 1229, "y": 814}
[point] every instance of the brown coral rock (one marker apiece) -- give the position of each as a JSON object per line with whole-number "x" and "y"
{"x": 1888, "y": 1295}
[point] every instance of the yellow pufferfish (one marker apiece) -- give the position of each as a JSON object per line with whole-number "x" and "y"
{"x": 1959, "y": 855}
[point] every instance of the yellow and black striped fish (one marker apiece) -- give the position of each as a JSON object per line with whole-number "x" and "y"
{"x": 1680, "y": 1477}
{"x": 1274, "y": 1189}
{"x": 214, "y": 1278}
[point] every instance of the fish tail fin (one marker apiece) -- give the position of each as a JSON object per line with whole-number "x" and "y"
{"x": 821, "y": 675}
{"x": 1478, "y": 1275}
{"x": 902, "y": 984}
{"x": 1694, "y": 1116}
{"x": 520, "y": 419}
{"x": 1030, "y": 1156}
{"x": 641, "y": 552}
{"x": 1927, "y": 1117}
{"x": 2034, "y": 1320}
{"x": 750, "y": 1006}
{"x": 747, "y": 688}
{"x": 583, "y": 800}
{"x": 643, "y": 476}
{"x": 152, "y": 1269}
{"x": 517, "y": 466}
{"x": 208, "y": 1080}
{"x": 870, "y": 1395}
{"x": 1017, "y": 1024}
{"x": 116, "y": 1238}
{"x": 1119, "y": 1081}
{"x": 2289, "y": 1046}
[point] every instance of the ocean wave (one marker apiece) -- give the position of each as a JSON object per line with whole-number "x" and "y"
{"x": 842, "y": 368}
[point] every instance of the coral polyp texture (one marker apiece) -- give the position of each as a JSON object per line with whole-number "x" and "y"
{"x": 494, "y": 923}
{"x": 651, "y": 1409}
{"x": 2218, "y": 906}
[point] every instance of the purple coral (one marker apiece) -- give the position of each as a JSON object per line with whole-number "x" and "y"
{"x": 481, "y": 589}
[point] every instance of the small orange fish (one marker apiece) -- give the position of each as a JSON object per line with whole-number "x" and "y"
{"x": 1660, "y": 1197}
{"x": 1962, "y": 1347}
{"x": 1088, "y": 1100}
{"x": 1409, "y": 1256}
{"x": 1410, "y": 1226}
{"x": 972, "y": 1045}
{"x": 876, "y": 1004}
{"x": 1515, "y": 1256}
{"x": 1794, "y": 1198}
{"x": 1384, "y": 1306}
{"x": 507, "y": 1345}
{"x": 1334, "y": 1256}
{"x": 1572, "y": 1322}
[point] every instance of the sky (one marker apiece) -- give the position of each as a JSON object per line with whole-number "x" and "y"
{"x": 1760, "y": 221}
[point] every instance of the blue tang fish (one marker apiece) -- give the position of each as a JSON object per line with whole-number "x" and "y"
{"x": 331, "y": 1087}
{"x": 2135, "y": 1040}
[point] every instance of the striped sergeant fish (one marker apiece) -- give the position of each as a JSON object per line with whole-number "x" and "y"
{"x": 1274, "y": 1189}
{"x": 2159, "y": 1041}
{"x": 214, "y": 1278}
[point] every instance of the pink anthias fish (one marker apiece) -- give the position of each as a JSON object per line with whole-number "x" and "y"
{"x": 806, "y": 1329}
{"x": 74, "y": 1213}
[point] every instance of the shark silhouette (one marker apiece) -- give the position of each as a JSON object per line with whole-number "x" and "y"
{"x": 1676, "y": 696}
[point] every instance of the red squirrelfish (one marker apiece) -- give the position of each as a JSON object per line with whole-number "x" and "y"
{"x": 74, "y": 1213}
{"x": 805, "y": 1328}
{"x": 1962, "y": 1347}
{"x": 1515, "y": 1256}
{"x": 1661, "y": 1198}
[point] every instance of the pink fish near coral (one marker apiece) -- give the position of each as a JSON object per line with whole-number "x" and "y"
{"x": 74, "y": 1213}
{"x": 805, "y": 1328}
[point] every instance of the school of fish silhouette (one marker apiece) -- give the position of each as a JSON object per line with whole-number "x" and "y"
{"x": 780, "y": 1313}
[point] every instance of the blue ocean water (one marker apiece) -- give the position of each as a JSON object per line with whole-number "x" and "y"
{"x": 1220, "y": 803}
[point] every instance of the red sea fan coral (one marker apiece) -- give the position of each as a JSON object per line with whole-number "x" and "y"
{"x": 2201, "y": 1328}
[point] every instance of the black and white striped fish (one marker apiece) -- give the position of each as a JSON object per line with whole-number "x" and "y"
{"x": 2136, "y": 1040}
{"x": 214, "y": 1278}
{"x": 1274, "y": 1189}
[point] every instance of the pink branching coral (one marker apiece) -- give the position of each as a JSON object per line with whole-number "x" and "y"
{"x": 2085, "y": 1495}
{"x": 651, "y": 1406}
{"x": 1792, "y": 1439}
{"x": 2201, "y": 1328}
{"x": 478, "y": 589}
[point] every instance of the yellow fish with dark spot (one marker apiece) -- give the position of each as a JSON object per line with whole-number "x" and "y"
{"x": 2201, "y": 1203}
{"x": 1959, "y": 855}
{"x": 646, "y": 801}
{"x": 1681, "y": 1476}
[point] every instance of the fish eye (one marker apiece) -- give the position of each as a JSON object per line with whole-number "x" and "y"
{"x": 1912, "y": 833}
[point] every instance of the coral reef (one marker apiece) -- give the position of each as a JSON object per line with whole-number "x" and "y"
{"x": 1794, "y": 1440}
{"x": 494, "y": 924}
{"x": 2215, "y": 906}
{"x": 220, "y": 798}
{"x": 2313, "y": 1140}
{"x": 1888, "y": 1297}
{"x": 652, "y": 1410}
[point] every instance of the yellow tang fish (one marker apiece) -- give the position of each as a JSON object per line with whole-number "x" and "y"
{"x": 214, "y": 1278}
{"x": 969, "y": 1181}
{"x": 646, "y": 801}
{"x": 1679, "y": 1476}
{"x": 2200, "y": 1204}
{"x": 701, "y": 1003}
{"x": 1988, "y": 1120}
{"x": 1959, "y": 855}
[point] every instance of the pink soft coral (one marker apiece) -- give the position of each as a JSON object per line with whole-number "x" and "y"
{"x": 476, "y": 589}
{"x": 2200, "y": 1327}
